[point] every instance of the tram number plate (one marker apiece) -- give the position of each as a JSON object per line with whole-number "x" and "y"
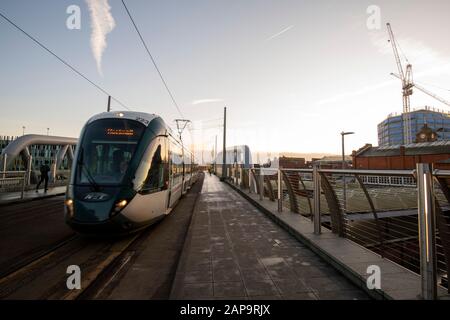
{"x": 142, "y": 120}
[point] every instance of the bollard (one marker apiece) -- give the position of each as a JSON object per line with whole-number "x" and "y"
{"x": 280, "y": 192}
{"x": 261, "y": 185}
{"x": 316, "y": 208}
{"x": 427, "y": 236}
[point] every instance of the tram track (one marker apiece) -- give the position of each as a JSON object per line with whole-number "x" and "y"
{"x": 48, "y": 271}
{"x": 104, "y": 279}
{"x": 33, "y": 257}
{"x": 103, "y": 261}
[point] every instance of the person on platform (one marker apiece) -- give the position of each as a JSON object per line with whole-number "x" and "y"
{"x": 45, "y": 169}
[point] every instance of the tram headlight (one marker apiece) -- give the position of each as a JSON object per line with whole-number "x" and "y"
{"x": 69, "y": 206}
{"x": 120, "y": 205}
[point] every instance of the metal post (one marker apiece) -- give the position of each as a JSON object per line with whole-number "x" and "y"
{"x": 29, "y": 166}
{"x": 215, "y": 156}
{"x": 427, "y": 237}
{"x": 108, "y": 108}
{"x": 224, "y": 153}
{"x": 4, "y": 159}
{"x": 241, "y": 176}
{"x": 344, "y": 177}
{"x": 280, "y": 192}
{"x": 261, "y": 185}
{"x": 344, "y": 166}
{"x": 316, "y": 208}
{"x": 53, "y": 170}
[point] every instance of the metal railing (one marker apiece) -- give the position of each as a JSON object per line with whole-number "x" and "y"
{"x": 394, "y": 217}
{"x": 15, "y": 180}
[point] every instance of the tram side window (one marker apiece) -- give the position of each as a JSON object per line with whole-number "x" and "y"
{"x": 156, "y": 177}
{"x": 177, "y": 163}
{"x": 152, "y": 173}
{"x": 187, "y": 165}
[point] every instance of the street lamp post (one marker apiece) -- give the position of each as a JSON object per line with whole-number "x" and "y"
{"x": 343, "y": 134}
{"x": 48, "y": 129}
{"x": 23, "y": 130}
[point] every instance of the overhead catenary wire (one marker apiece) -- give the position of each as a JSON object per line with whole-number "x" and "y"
{"x": 153, "y": 60}
{"x": 208, "y": 120}
{"x": 62, "y": 60}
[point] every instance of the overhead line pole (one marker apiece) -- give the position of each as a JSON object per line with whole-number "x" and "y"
{"x": 215, "y": 156}
{"x": 224, "y": 153}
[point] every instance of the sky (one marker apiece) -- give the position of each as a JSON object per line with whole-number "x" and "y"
{"x": 293, "y": 74}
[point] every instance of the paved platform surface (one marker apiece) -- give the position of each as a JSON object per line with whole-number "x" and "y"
{"x": 233, "y": 251}
{"x": 8, "y": 197}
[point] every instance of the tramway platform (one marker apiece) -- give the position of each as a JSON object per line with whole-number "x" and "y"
{"x": 234, "y": 251}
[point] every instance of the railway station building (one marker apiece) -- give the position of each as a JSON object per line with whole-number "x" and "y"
{"x": 403, "y": 157}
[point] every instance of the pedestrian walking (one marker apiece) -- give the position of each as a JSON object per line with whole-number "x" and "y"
{"x": 45, "y": 169}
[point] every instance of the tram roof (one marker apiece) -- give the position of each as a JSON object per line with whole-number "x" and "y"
{"x": 142, "y": 117}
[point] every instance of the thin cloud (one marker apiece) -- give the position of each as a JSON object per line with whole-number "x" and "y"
{"x": 425, "y": 60}
{"x": 102, "y": 23}
{"x": 279, "y": 33}
{"x": 354, "y": 93}
{"x": 202, "y": 101}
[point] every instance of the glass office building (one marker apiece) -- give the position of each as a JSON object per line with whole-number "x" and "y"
{"x": 390, "y": 131}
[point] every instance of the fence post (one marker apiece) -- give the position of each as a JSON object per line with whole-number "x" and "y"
{"x": 316, "y": 208}
{"x": 280, "y": 191}
{"x": 427, "y": 238}
{"x": 28, "y": 172}
{"x": 261, "y": 185}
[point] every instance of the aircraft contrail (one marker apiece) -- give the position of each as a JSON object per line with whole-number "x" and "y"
{"x": 280, "y": 33}
{"x": 102, "y": 23}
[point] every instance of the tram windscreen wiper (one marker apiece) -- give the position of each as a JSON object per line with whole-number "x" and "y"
{"x": 87, "y": 171}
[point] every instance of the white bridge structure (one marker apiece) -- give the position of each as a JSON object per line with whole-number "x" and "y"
{"x": 20, "y": 147}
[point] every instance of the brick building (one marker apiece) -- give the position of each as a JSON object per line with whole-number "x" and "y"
{"x": 332, "y": 162}
{"x": 292, "y": 162}
{"x": 399, "y": 157}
